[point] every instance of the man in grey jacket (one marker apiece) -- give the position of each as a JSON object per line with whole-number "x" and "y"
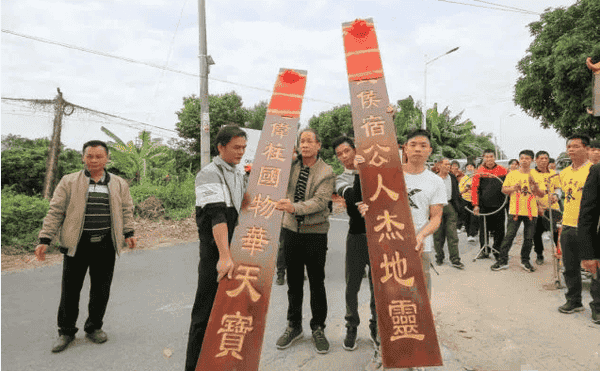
{"x": 92, "y": 211}
{"x": 305, "y": 227}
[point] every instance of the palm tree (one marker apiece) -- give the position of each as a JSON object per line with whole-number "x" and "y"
{"x": 133, "y": 159}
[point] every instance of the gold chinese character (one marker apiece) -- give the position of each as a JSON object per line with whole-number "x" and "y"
{"x": 367, "y": 99}
{"x": 393, "y": 195}
{"x": 265, "y": 207}
{"x": 250, "y": 273}
{"x": 274, "y": 152}
{"x": 402, "y": 308}
{"x": 280, "y": 129}
{"x": 269, "y": 176}
{"x": 373, "y": 126}
{"x": 404, "y": 320}
{"x": 387, "y": 222}
{"x": 255, "y": 239}
{"x": 396, "y": 268}
{"x": 234, "y": 330}
{"x": 377, "y": 159}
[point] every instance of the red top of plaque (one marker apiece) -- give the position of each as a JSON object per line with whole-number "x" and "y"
{"x": 362, "y": 51}
{"x": 288, "y": 93}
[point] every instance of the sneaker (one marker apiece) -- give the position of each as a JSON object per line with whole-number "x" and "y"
{"x": 439, "y": 261}
{"x": 527, "y": 267}
{"x": 376, "y": 363}
{"x": 499, "y": 266}
{"x": 350, "y": 340}
{"x": 289, "y": 336}
{"x": 321, "y": 343}
{"x": 61, "y": 343}
{"x": 569, "y": 307}
{"x": 97, "y": 336}
{"x": 483, "y": 255}
{"x": 458, "y": 265}
{"x": 280, "y": 279}
{"x": 539, "y": 260}
{"x": 595, "y": 317}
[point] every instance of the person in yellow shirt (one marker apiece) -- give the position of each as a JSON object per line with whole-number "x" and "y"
{"x": 572, "y": 180}
{"x": 464, "y": 187}
{"x": 523, "y": 185}
{"x": 551, "y": 181}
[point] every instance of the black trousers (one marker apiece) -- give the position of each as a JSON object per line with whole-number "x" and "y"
{"x": 569, "y": 242}
{"x": 310, "y": 250}
{"x": 205, "y": 297}
{"x": 541, "y": 227}
{"x": 494, "y": 224}
{"x": 281, "y": 255}
{"x": 357, "y": 258}
{"x": 100, "y": 259}
{"x": 511, "y": 232}
{"x": 472, "y": 225}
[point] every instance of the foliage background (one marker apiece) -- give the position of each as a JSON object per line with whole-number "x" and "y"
{"x": 555, "y": 84}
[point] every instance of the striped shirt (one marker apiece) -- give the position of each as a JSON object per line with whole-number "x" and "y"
{"x": 97, "y": 210}
{"x": 300, "y": 193}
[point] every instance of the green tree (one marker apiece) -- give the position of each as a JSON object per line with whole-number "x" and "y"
{"x": 450, "y": 136}
{"x": 136, "y": 159}
{"x": 224, "y": 109}
{"x": 257, "y": 115}
{"x": 555, "y": 84}
{"x": 24, "y": 163}
{"x": 330, "y": 125}
{"x": 408, "y": 117}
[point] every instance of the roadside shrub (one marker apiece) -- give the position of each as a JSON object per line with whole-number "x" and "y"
{"x": 177, "y": 197}
{"x": 22, "y": 218}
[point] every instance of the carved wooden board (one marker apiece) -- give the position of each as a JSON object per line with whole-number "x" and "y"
{"x": 235, "y": 332}
{"x": 405, "y": 321}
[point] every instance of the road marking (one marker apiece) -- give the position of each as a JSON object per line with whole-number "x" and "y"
{"x": 174, "y": 307}
{"x": 339, "y": 219}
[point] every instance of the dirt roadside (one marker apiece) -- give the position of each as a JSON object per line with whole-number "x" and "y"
{"x": 150, "y": 234}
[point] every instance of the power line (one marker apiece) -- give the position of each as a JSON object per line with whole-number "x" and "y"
{"x": 494, "y": 8}
{"x": 92, "y": 111}
{"x": 506, "y": 6}
{"x": 165, "y": 68}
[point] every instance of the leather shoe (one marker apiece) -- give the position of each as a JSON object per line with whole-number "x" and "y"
{"x": 61, "y": 343}
{"x": 97, "y": 336}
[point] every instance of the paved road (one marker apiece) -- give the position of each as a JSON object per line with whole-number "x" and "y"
{"x": 148, "y": 316}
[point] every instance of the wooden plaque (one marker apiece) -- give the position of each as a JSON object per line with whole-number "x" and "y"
{"x": 235, "y": 332}
{"x": 406, "y": 327}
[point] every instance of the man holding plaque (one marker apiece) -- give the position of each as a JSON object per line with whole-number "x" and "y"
{"x": 347, "y": 185}
{"x": 305, "y": 227}
{"x": 427, "y": 198}
{"x": 220, "y": 189}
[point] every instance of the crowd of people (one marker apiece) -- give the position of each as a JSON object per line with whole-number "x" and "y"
{"x": 92, "y": 210}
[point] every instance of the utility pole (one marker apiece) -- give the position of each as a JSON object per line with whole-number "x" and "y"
{"x": 204, "y": 116}
{"x": 54, "y": 150}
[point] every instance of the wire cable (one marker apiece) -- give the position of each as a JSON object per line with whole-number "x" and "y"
{"x": 108, "y": 55}
{"x": 489, "y": 7}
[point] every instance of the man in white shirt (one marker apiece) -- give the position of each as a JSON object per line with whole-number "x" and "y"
{"x": 427, "y": 197}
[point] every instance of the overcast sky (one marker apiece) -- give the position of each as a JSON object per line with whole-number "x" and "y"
{"x": 249, "y": 41}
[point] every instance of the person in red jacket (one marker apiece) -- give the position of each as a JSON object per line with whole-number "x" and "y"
{"x": 487, "y": 197}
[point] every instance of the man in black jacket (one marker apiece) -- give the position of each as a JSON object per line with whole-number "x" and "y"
{"x": 447, "y": 229}
{"x": 347, "y": 185}
{"x": 589, "y": 236}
